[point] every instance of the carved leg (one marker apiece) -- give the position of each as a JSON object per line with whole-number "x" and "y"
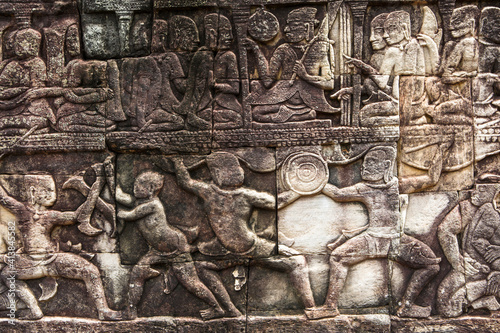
{"x": 187, "y": 275}
{"x": 419, "y": 256}
{"x": 23, "y": 292}
{"x": 298, "y": 270}
{"x": 71, "y": 266}
{"x": 140, "y": 273}
{"x": 206, "y": 271}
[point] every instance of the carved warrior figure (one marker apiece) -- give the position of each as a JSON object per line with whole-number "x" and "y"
{"x": 40, "y": 256}
{"x": 381, "y": 238}
{"x": 304, "y": 56}
{"x": 229, "y": 207}
{"x": 474, "y": 280}
{"x": 168, "y": 245}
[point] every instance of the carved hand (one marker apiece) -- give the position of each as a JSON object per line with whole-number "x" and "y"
{"x": 300, "y": 69}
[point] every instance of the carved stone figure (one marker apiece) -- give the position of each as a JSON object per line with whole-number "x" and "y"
{"x": 84, "y": 106}
{"x": 227, "y": 109}
{"x": 229, "y": 206}
{"x": 149, "y": 84}
{"x": 40, "y": 256}
{"x": 168, "y": 245}
{"x": 474, "y": 278}
{"x": 381, "y": 238}
{"x": 23, "y": 107}
{"x": 195, "y": 105}
{"x": 283, "y": 98}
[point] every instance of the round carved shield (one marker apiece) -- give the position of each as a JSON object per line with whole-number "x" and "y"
{"x": 263, "y": 25}
{"x": 305, "y": 173}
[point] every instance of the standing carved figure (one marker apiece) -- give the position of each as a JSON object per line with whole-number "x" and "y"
{"x": 381, "y": 238}
{"x": 167, "y": 245}
{"x": 229, "y": 207}
{"x": 40, "y": 256}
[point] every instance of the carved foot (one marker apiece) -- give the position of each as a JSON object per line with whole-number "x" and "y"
{"x": 33, "y": 314}
{"x": 212, "y": 313}
{"x": 414, "y": 311}
{"x": 110, "y": 315}
{"x": 233, "y": 313}
{"x": 321, "y": 312}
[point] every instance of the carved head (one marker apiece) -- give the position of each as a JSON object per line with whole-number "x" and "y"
{"x": 218, "y": 32}
{"x": 72, "y": 42}
{"x": 377, "y": 32}
{"x": 225, "y": 169}
{"x": 300, "y": 24}
{"x": 27, "y": 43}
{"x": 484, "y": 193}
{"x": 489, "y": 24}
{"x": 183, "y": 33}
{"x": 378, "y": 164}
{"x": 159, "y": 39}
{"x": 397, "y": 27}
{"x": 463, "y": 21}
{"x": 148, "y": 184}
{"x": 41, "y": 190}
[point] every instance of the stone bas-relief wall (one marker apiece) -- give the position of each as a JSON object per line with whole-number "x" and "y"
{"x": 235, "y": 166}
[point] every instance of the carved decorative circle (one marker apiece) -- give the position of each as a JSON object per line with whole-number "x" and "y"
{"x": 263, "y": 25}
{"x": 305, "y": 173}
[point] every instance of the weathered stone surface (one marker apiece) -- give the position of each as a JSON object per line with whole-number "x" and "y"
{"x": 249, "y": 166}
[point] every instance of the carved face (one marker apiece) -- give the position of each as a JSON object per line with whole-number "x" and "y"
{"x": 188, "y": 39}
{"x": 374, "y": 167}
{"x": 147, "y": 184}
{"x": 73, "y": 41}
{"x": 377, "y": 38}
{"x": 296, "y": 31}
{"x": 225, "y": 35}
{"x": 44, "y": 193}
{"x": 394, "y": 31}
{"x": 460, "y": 28}
{"x": 490, "y": 25}
{"x": 27, "y": 43}
{"x": 482, "y": 194}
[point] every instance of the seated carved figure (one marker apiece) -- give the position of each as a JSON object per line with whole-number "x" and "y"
{"x": 474, "y": 280}
{"x": 149, "y": 83}
{"x": 304, "y": 56}
{"x": 227, "y": 108}
{"x": 448, "y": 97}
{"x": 195, "y": 106}
{"x": 486, "y": 89}
{"x": 22, "y": 105}
{"x": 84, "y": 105}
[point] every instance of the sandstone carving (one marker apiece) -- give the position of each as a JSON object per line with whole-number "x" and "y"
{"x": 249, "y": 165}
